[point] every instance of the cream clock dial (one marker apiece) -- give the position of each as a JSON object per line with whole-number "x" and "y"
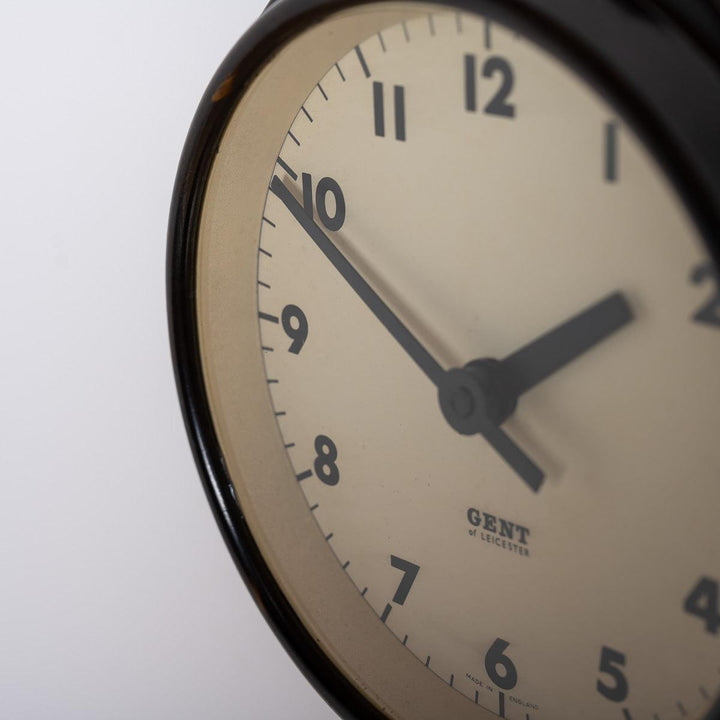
{"x": 459, "y": 336}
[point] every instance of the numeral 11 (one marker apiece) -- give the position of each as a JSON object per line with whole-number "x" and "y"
{"x": 379, "y": 110}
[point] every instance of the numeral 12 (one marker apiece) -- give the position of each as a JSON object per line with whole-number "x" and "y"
{"x": 494, "y": 65}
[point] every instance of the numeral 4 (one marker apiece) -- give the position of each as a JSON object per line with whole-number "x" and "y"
{"x": 704, "y": 602}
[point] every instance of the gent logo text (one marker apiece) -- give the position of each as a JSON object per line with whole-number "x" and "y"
{"x": 499, "y": 532}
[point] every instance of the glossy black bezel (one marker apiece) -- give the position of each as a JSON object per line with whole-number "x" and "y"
{"x": 666, "y": 84}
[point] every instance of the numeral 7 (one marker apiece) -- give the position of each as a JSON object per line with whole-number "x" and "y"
{"x": 410, "y": 573}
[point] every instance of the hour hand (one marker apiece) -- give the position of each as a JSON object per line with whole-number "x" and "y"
{"x": 535, "y": 362}
{"x": 480, "y": 397}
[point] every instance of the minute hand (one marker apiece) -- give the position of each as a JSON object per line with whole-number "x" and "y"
{"x": 374, "y": 302}
{"x": 495, "y": 436}
{"x": 533, "y": 363}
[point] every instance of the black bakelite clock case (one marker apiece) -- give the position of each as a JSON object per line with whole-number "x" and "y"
{"x": 657, "y": 63}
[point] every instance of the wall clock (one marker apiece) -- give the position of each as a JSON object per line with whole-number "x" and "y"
{"x": 446, "y": 327}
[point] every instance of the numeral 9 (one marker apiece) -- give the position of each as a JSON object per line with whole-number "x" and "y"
{"x": 295, "y": 325}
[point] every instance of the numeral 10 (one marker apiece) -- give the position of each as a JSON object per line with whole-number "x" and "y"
{"x": 326, "y": 188}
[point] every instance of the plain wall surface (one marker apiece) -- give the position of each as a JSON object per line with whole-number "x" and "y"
{"x": 118, "y": 598}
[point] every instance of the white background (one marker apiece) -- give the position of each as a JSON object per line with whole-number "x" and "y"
{"x": 118, "y": 598}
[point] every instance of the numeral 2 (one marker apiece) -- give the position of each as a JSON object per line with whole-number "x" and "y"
{"x": 708, "y": 314}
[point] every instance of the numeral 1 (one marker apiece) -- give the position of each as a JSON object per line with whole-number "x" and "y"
{"x": 379, "y": 110}
{"x": 611, "y": 152}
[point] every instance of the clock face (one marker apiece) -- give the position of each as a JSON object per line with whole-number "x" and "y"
{"x": 486, "y": 334}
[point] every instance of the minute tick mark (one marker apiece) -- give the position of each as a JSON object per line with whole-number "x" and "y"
{"x": 287, "y": 169}
{"x": 431, "y": 25}
{"x": 363, "y": 63}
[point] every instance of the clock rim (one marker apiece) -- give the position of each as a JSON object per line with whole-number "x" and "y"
{"x": 564, "y": 29}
